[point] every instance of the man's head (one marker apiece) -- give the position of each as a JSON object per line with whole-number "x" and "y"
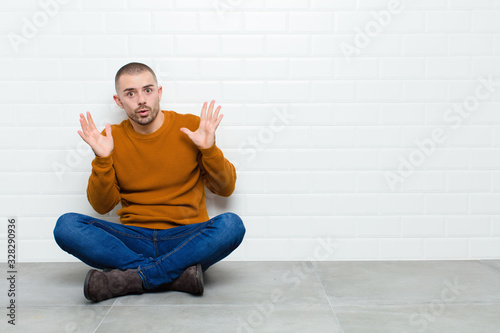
{"x": 138, "y": 93}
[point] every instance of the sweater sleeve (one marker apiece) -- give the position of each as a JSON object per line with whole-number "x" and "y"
{"x": 219, "y": 174}
{"x": 103, "y": 191}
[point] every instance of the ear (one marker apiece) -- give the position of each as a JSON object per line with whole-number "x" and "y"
{"x": 118, "y": 101}
{"x": 160, "y": 92}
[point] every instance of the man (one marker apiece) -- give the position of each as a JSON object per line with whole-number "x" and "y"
{"x": 156, "y": 164}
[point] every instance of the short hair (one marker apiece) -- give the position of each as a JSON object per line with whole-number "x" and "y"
{"x": 133, "y": 68}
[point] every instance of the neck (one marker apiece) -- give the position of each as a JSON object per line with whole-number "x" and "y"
{"x": 151, "y": 127}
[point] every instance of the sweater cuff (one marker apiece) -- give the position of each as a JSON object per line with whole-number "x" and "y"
{"x": 210, "y": 152}
{"x": 102, "y": 162}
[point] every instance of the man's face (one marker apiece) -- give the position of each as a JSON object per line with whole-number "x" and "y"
{"x": 139, "y": 95}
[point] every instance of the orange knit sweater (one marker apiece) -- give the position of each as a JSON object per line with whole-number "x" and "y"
{"x": 159, "y": 178}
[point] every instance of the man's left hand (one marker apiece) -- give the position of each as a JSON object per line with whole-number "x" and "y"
{"x": 204, "y": 136}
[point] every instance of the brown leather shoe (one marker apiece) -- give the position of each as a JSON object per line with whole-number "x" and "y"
{"x": 99, "y": 286}
{"x": 190, "y": 281}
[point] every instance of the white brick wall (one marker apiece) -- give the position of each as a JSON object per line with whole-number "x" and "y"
{"x": 329, "y": 117}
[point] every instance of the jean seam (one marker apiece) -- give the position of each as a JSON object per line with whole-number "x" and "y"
{"x": 210, "y": 222}
{"x": 118, "y": 232}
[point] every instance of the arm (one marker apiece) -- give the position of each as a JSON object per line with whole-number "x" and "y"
{"x": 103, "y": 192}
{"x": 219, "y": 174}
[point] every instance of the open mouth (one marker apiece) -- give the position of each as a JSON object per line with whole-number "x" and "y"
{"x": 143, "y": 112}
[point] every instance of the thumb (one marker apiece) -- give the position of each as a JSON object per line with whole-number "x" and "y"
{"x": 108, "y": 131}
{"x": 186, "y": 131}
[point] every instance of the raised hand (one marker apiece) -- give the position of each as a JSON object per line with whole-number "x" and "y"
{"x": 204, "y": 136}
{"x": 100, "y": 144}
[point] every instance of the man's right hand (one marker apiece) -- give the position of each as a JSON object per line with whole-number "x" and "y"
{"x": 100, "y": 144}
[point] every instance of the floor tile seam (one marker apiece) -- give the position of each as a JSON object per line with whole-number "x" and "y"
{"x": 411, "y": 303}
{"x": 105, "y": 315}
{"x": 326, "y": 296}
{"x": 253, "y": 304}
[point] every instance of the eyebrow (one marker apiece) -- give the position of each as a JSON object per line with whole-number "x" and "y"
{"x": 132, "y": 89}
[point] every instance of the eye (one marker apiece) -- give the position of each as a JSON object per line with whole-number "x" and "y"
{"x": 149, "y": 90}
{"x": 130, "y": 94}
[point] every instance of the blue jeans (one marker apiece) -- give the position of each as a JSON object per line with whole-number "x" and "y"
{"x": 159, "y": 255}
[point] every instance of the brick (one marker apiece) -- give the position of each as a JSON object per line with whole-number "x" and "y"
{"x": 82, "y": 23}
{"x": 311, "y": 205}
{"x": 471, "y": 44}
{"x": 448, "y": 21}
{"x": 478, "y": 4}
{"x": 171, "y": 22}
{"x": 333, "y": 91}
{"x": 245, "y": 45}
{"x": 286, "y": 91}
{"x": 243, "y": 91}
{"x": 58, "y": 46}
{"x": 266, "y": 68}
{"x": 482, "y": 248}
{"x": 425, "y": 181}
{"x": 468, "y": 226}
{"x": 402, "y": 68}
{"x": 448, "y": 68}
{"x": 359, "y": 249}
{"x": 197, "y": 90}
{"x": 355, "y": 159}
{"x": 402, "y": 113}
{"x": 306, "y": 159}
{"x": 358, "y": 68}
{"x": 356, "y": 113}
{"x": 401, "y": 249}
{"x": 329, "y": 4}
{"x": 333, "y": 182}
{"x": 310, "y": 68}
{"x": 372, "y": 182}
{"x": 446, "y": 203}
{"x": 333, "y": 136}
{"x": 311, "y": 22}
{"x": 266, "y": 204}
{"x": 378, "y": 137}
{"x": 423, "y": 226}
{"x": 211, "y": 22}
{"x": 355, "y": 204}
{"x": 265, "y": 249}
{"x": 265, "y": 21}
{"x": 285, "y": 4}
{"x": 425, "y": 45}
{"x": 484, "y": 203}
{"x": 486, "y": 21}
{"x": 442, "y": 248}
{"x": 37, "y": 69}
{"x": 106, "y": 5}
{"x": 384, "y": 226}
{"x": 151, "y": 4}
{"x": 287, "y": 227}
{"x": 294, "y": 45}
{"x": 176, "y": 68}
{"x": 220, "y": 67}
{"x": 402, "y": 203}
{"x": 147, "y": 46}
{"x": 376, "y": 90}
{"x": 105, "y": 46}
{"x": 83, "y": 69}
{"x": 418, "y": 91}
{"x": 128, "y": 22}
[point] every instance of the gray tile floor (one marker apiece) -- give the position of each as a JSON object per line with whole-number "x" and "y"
{"x": 350, "y": 297}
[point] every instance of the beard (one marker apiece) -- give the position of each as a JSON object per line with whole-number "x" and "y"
{"x": 145, "y": 120}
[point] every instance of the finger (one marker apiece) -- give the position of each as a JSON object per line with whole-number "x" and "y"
{"x": 216, "y": 114}
{"x": 84, "y": 124}
{"x": 91, "y": 121}
{"x": 203, "y": 114}
{"x": 83, "y": 136}
{"x": 217, "y": 122}
{"x": 210, "y": 110}
{"x": 108, "y": 131}
{"x": 186, "y": 131}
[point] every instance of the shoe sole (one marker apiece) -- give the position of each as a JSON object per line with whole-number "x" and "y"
{"x": 86, "y": 284}
{"x": 199, "y": 275}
